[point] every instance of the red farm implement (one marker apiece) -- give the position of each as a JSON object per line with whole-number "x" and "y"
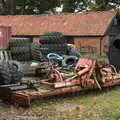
{"x": 88, "y": 74}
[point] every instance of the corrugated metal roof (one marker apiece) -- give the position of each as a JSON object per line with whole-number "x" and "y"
{"x": 92, "y": 23}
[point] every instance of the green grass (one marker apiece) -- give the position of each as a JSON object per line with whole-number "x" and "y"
{"x": 93, "y": 106}
{"x": 87, "y": 106}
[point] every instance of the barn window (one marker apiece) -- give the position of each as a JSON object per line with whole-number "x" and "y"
{"x": 69, "y": 39}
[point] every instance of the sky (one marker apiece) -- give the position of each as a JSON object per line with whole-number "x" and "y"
{"x": 59, "y": 9}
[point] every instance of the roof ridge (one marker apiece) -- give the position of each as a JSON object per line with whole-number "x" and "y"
{"x": 61, "y": 14}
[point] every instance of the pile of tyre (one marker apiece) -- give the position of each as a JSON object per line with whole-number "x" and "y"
{"x": 53, "y": 43}
{"x": 36, "y": 53}
{"x": 10, "y": 72}
{"x": 20, "y": 48}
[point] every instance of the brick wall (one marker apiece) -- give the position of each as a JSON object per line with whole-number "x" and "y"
{"x": 94, "y": 43}
{"x": 104, "y": 45}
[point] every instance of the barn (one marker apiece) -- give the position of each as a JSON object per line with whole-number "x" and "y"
{"x": 84, "y": 30}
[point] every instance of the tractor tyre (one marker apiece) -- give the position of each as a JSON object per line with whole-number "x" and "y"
{"x": 36, "y": 51}
{"x": 69, "y": 61}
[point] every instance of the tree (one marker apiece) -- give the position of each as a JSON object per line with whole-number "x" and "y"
{"x": 103, "y": 5}
{"x": 68, "y": 5}
{"x": 74, "y": 5}
{"x": 8, "y": 7}
{"x": 90, "y": 5}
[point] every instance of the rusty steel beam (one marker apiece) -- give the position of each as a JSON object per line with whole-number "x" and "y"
{"x": 46, "y": 82}
{"x": 25, "y": 98}
{"x": 66, "y": 84}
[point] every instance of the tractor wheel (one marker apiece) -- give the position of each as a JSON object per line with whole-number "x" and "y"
{"x": 17, "y": 65}
{"x": 36, "y": 51}
{"x": 19, "y": 49}
{"x": 10, "y": 73}
{"x": 15, "y": 75}
{"x": 69, "y": 61}
{"x": 52, "y": 38}
{"x": 5, "y": 75}
{"x": 56, "y": 34}
{"x": 19, "y": 42}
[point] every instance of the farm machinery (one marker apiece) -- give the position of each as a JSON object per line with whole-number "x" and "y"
{"x": 87, "y": 74}
{"x": 63, "y": 74}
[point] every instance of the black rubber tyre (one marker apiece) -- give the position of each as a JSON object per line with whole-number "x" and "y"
{"x": 69, "y": 61}
{"x": 19, "y": 42}
{"x": 54, "y": 33}
{"x": 5, "y": 76}
{"x": 19, "y": 49}
{"x": 17, "y": 65}
{"x": 52, "y": 39}
{"x": 21, "y": 56}
{"x": 9, "y": 73}
{"x": 54, "y": 48}
{"x": 36, "y": 51}
{"x": 16, "y": 76}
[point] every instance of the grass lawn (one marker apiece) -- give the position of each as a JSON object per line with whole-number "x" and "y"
{"x": 93, "y": 105}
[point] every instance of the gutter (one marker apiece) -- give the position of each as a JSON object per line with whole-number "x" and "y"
{"x": 63, "y": 35}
